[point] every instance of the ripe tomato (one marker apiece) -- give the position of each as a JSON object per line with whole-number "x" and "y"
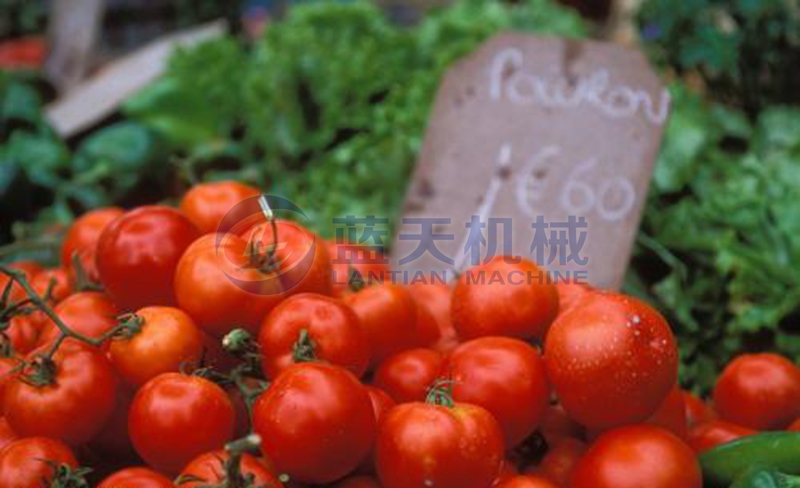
{"x": 507, "y": 471}
{"x": 74, "y": 406}
{"x": 316, "y": 422}
{"x": 302, "y": 258}
{"x": 427, "y": 333}
{"x": 715, "y": 432}
{"x": 9, "y": 366}
{"x": 560, "y": 461}
{"x": 61, "y": 288}
{"x": 381, "y": 404}
{"x": 175, "y": 417}
{"x": 17, "y": 293}
{"x": 421, "y": 444}
{"x": 219, "y": 287}
{"x": 407, "y": 375}
{"x": 138, "y": 252}
{"x": 795, "y": 426}
{"x": 7, "y": 434}
{"x": 506, "y": 377}
{"x": 89, "y": 313}
{"x": 760, "y": 391}
{"x": 556, "y": 425}
{"x": 570, "y": 293}
{"x": 509, "y": 301}
{"x": 435, "y": 298}
{"x": 82, "y": 237}
{"x": 22, "y": 333}
{"x": 27, "y": 463}
{"x": 209, "y": 470}
{"x": 358, "y": 482}
{"x": 671, "y": 415}
{"x": 636, "y": 456}
{"x": 526, "y": 481}
{"x": 168, "y": 339}
{"x": 388, "y": 316}
{"x": 333, "y": 335}
{"x": 136, "y": 478}
{"x": 207, "y": 204}
{"x": 697, "y": 411}
{"x": 615, "y": 351}
{"x": 370, "y": 268}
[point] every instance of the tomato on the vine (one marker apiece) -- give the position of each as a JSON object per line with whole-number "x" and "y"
{"x": 90, "y": 313}
{"x": 52, "y": 280}
{"x": 136, "y": 478}
{"x": 503, "y": 298}
{"x": 206, "y": 204}
{"x": 408, "y": 375}
{"x": 422, "y": 444}
{"x": 176, "y": 417}
{"x": 138, "y": 252}
{"x": 17, "y": 293}
{"x": 28, "y": 462}
{"x": 7, "y": 434}
{"x": 208, "y": 469}
{"x": 22, "y": 333}
{"x": 506, "y": 377}
{"x": 526, "y": 481}
{"x": 81, "y": 240}
{"x": 316, "y": 422}
{"x": 612, "y": 360}
{"x": 70, "y": 399}
{"x": 167, "y": 339}
{"x": 637, "y": 456}
{"x": 311, "y": 326}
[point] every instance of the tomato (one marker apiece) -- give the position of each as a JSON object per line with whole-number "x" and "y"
{"x": 82, "y": 237}
{"x": 358, "y": 482}
{"x": 759, "y": 391}
{"x": 302, "y": 258}
{"x": 421, "y": 444}
{"x": 503, "y": 299}
{"x": 23, "y": 53}
{"x": 61, "y": 288}
{"x": 9, "y": 366}
{"x": 7, "y": 434}
{"x": 316, "y": 422}
{"x": 671, "y": 415}
{"x": 407, "y": 375}
{"x": 136, "y": 478}
{"x": 381, "y": 404}
{"x": 795, "y": 426}
{"x": 435, "y": 299}
{"x": 612, "y": 351}
{"x": 347, "y": 258}
{"x": 507, "y": 471}
{"x": 526, "y": 481}
{"x": 22, "y": 333}
{"x": 138, "y": 252}
{"x": 89, "y": 313}
{"x": 209, "y": 470}
{"x": 17, "y": 292}
{"x": 715, "y": 432}
{"x": 168, "y": 339}
{"x": 333, "y": 334}
{"x": 506, "y": 377}
{"x": 220, "y": 288}
{"x": 388, "y": 316}
{"x": 207, "y": 204}
{"x": 556, "y": 425}
{"x": 636, "y": 456}
{"x": 27, "y": 463}
{"x": 570, "y": 293}
{"x": 560, "y": 461}
{"x": 697, "y": 411}
{"x": 427, "y": 333}
{"x": 175, "y": 417}
{"x": 74, "y": 406}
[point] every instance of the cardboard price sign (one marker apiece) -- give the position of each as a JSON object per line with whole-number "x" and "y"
{"x": 560, "y": 136}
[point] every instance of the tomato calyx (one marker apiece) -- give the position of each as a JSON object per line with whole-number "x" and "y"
{"x": 65, "y": 476}
{"x": 233, "y": 477}
{"x": 355, "y": 279}
{"x": 441, "y": 393}
{"x": 129, "y": 326}
{"x": 304, "y": 349}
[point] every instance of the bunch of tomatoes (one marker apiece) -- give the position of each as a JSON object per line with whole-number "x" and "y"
{"x": 163, "y": 353}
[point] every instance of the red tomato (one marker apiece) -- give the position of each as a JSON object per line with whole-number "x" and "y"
{"x": 82, "y": 237}
{"x": 17, "y": 292}
{"x": 427, "y": 332}
{"x": 136, "y": 478}
{"x": 207, "y": 204}
{"x": 435, "y": 298}
{"x": 615, "y": 351}
{"x": 346, "y": 259}
{"x": 556, "y": 425}
{"x": 302, "y": 258}
{"x": 795, "y": 426}
{"x": 760, "y": 391}
{"x": 138, "y": 252}
{"x": 697, "y": 411}
{"x": 316, "y": 422}
{"x": 74, "y": 407}
{"x": 508, "y": 471}
{"x": 407, "y": 375}
{"x": 506, "y": 377}
{"x": 388, "y": 316}
{"x": 358, "y": 482}
{"x": 27, "y": 463}
{"x": 61, "y": 289}
{"x": 7, "y": 434}
{"x": 23, "y": 53}
{"x": 381, "y": 404}
{"x": 209, "y": 470}
{"x": 333, "y": 334}
{"x": 570, "y": 293}
{"x": 636, "y": 456}
{"x": 715, "y": 432}
{"x": 560, "y": 461}
{"x": 421, "y": 444}
{"x": 168, "y": 340}
{"x": 9, "y": 366}
{"x": 671, "y": 415}
{"x": 220, "y": 288}
{"x": 22, "y": 333}
{"x": 502, "y": 299}
{"x": 175, "y": 417}
{"x": 526, "y": 481}
{"x": 89, "y": 313}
